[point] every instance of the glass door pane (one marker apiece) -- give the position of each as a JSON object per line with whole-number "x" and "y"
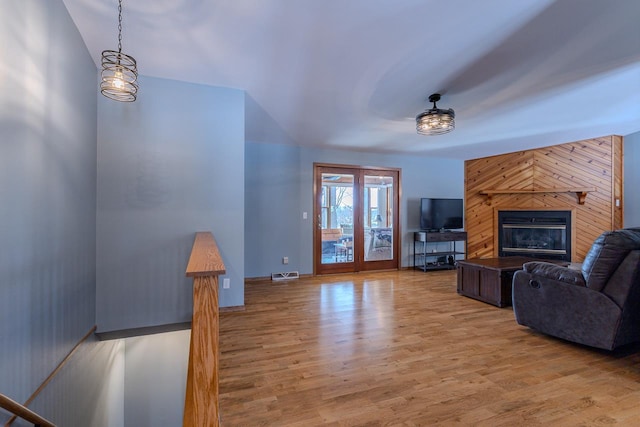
{"x": 356, "y": 219}
{"x": 336, "y": 218}
{"x": 378, "y": 212}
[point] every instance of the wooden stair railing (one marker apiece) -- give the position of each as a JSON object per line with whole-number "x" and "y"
{"x": 23, "y": 412}
{"x": 47, "y": 380}
{"x": 201, "y": 405}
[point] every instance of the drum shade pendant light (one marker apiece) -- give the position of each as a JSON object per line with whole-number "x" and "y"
{"x": 119, "y": 72}
{"x": 435, "y": 121}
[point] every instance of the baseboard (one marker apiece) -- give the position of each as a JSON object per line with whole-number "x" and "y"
{"x": 231, "y": 309}
{"x": 268, "y": 278}
{"x": 256, "y": 279}
{"x": 145, "y": 330}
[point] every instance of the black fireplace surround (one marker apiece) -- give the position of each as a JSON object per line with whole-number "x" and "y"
{"x": 535, "y": 233}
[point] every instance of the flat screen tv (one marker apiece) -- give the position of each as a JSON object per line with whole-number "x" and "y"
{"x": 441, "y": 214}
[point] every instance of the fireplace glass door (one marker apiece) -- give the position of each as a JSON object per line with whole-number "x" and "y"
{"x": 538, "y": 234}
{"x": 545, "y": 239}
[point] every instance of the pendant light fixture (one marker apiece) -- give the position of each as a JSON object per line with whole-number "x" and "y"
{"x": 435, "y": 121}
{"x": 119, "y": 72}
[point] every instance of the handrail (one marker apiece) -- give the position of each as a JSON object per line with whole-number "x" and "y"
{"x": 53, "y": 374}
{"x": 201, "y": 403}
{"x": 23, "y": 412}
{"x": 205, "y": 259}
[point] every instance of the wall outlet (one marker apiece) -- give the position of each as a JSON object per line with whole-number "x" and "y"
{"x": 285, "y": 260}
{"x": 226, "y": 283}
{"x": 304, "y": 215}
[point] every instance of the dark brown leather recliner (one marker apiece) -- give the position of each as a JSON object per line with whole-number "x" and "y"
{"x": 598, "y": 305}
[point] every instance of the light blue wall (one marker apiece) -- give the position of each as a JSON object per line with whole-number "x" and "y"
{"x": 155, "y": 379}
{"x": 89, "y": 390}
{"x": 272, "y": 209}
{"x": 48, "y": 123}
{"x": 631, "y": 180}
{"x": 169, "y": 165}
{"x": 279, "y": 189}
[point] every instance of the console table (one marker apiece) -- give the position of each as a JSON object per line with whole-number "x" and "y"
{"x": 433, "y": 260}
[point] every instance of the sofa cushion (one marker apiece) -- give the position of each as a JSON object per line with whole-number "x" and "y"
{"x": 623, "y": 279}
{"x": 554, "y": 272}
{"x": 606, "y": 253}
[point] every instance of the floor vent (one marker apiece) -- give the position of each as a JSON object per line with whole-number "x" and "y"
{"x": 285, "y": 276}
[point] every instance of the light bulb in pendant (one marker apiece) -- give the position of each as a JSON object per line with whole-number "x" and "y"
{"x": 118, "y": 80}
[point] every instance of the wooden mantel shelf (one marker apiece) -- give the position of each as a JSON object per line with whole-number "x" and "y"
{"x": 580, "y": 192}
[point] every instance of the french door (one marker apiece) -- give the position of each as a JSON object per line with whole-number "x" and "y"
{"x": 356, "y": 218}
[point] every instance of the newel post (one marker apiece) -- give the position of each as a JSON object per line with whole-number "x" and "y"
{"x": 201, "y": 405}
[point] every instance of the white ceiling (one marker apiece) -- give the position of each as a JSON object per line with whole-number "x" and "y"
{"x": 354, "y": 74}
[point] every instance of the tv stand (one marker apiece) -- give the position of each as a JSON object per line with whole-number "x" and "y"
{"x": 438, "y": 260}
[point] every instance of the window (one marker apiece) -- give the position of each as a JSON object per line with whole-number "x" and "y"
{"x": 325, "y": 206}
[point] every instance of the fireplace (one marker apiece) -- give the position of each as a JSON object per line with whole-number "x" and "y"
{"x": 535, "y": 233}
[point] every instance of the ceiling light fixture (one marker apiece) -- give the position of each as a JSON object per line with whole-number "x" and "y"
{"x": 119, "y": 72}
{"x": 435, "y": 121}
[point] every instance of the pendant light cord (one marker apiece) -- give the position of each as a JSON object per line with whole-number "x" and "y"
{"x": 119, "y": 26}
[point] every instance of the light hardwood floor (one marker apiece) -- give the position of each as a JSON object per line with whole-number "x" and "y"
{"x": 403, "y": 349}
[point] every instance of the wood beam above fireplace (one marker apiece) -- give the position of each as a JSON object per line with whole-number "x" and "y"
{"x": 580, "y": 192}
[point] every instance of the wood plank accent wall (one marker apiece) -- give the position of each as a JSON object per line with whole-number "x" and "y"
{"x": 593, "y": 163}
{"x": 618, "y": 189}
